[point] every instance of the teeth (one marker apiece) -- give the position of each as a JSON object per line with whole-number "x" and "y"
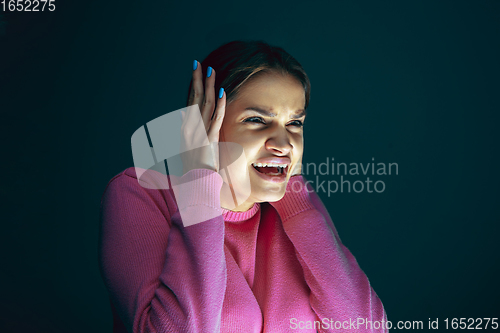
{"x": 269, "y": 165}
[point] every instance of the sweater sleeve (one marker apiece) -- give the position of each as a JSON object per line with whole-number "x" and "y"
{"x": 340, "y": 290}
{"x": 160, "y": 275}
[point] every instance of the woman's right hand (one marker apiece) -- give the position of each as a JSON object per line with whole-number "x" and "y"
{"x": 200, "y": 135}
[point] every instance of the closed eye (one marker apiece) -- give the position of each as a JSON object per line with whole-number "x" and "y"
{"x": 297, "y": 123}
{"x": 254, "y": 120}
{"x": 257, "y": 120}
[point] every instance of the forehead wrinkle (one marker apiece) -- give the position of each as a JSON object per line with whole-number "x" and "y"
{"x": 257, "y": 93}
{"x": 298, "y": 114}
{"x": 261, "y": 111}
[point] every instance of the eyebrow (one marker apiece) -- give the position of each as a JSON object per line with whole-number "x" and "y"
{"x": 300, "y": 113}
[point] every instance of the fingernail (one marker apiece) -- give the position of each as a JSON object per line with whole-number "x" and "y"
{"x": 209, "y": 71}
{"x": 221, "y": 92}
{"x": 195, "y": 65}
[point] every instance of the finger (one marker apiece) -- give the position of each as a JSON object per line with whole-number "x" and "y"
{"x": 191, "y": 86}
{"x": 216, "y": 123}
{"x": 209, "y": 97}
{"x": 191, "y": 120}
{"x": 196, "y": 95}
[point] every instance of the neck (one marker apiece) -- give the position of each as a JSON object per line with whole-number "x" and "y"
{"x": 229, "y": 200}
{"x": 240, "y": 208}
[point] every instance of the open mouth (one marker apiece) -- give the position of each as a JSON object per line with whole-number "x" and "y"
{"x": 272, "y": 170}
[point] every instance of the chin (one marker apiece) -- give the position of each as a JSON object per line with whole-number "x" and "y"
{"x": 265, "y": 190}
{"x": 276, "y": 198}
{"x": 270, "y": 195}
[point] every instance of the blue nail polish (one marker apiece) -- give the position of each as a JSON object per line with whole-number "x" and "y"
{"x": 221, "y": 92}
{"x": 209, "y": 71}
{"x": 195, "y": 65}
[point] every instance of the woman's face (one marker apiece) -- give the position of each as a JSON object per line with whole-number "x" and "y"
{"x": 266, "y": 121}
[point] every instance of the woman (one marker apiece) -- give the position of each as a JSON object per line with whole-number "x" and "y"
{"x": 272, "y": 262}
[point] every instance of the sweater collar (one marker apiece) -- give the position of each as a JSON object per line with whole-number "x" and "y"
{"x": 231, "y": 216}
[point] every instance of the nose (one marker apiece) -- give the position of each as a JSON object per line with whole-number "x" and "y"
{"x": 279, "y": 144}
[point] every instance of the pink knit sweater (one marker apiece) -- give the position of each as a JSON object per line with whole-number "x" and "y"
{"x": 278, "y": 267}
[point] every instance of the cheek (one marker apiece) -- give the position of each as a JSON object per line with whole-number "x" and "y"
{"x": 250, "y": 143}
{"x": 228, "y": 131}
{"x": 248, "y": 140}
{"x": 299, "y": 145}
{"x": 223, "y": 132}
{"x": 243, "y": 145}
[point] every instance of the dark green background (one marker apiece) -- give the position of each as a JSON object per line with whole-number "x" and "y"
{"x": 415, "y": 83}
